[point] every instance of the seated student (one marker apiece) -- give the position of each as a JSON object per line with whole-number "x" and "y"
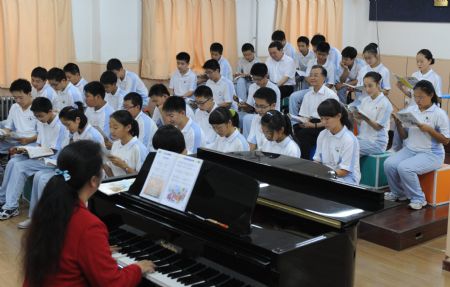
{"x": 242, "y": 75}
{"x": 72, "y": 72}
{"x": 348, "y": 72}
{"x": 147, "y": 127}
{"x": 128, "y": 81}
{"x": 205, "y": 103}
{"x": 216, "y": 50}
{"x": 222, "y": 88}
{"x": 265, "y": 100}
{"x": 281, "y": 69}
{"x": 20, "y": 126}
{"x": 334, "y": 54}
{"x": 288, "y": 49}
{"x": 373, "y": 131}
{"x": 67, "y": 93}
{"x": 225, "y": 123}
{"x": 174, "y": 112}
{"x": 277, "y": 129}
{"x": 337, "y": 146}
{"x": 51, "y": 134}
{"x": 127, "y": 152}
{"x": 73, "y": 248}
{"x": 40, "y": 86}
{"x": 76, "y": 122}
{"x": 304, "y": 55}
{"x": 308, "y": 131}
{"x": 183, "y": 81}
{"x": 159, "y": 94}
{"x": 114, "y": 94}
{"x": 423, "y": 149}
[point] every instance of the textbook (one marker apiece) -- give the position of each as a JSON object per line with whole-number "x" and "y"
{"x": 301, "y": 73}
{"x": 115, "y": 187}
{"x": 36, "y": 151}
{"x": 409, "y": 82}
{"x": 356, "y": 88}
{"x": 298, "y": 118}
{"x": 50, "y": 161}
{"x": 408, "y": 119}
{"x": 355, "y": 109}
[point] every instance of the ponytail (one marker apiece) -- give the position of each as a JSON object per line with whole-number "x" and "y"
{"x": 331, "y": 108}
{"x": 428, "y": 88}
{"x": 275, "y": 121}
{"x": 222, "y": 115}
{"x": 372, "y": 48}
{"x": 71, "y": 114}
{"x": 125, "y": 118}
{"x": 427, "y": 54}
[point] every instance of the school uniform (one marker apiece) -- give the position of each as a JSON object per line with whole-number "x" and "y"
{"x": 115, "y": 100}
{"x": 378, "y": 110}
{"x": 235, "y": 142}
{"x": 100, "y": 118}
{"x": 183, "y": 83}
{"x": 339, "y": 151}
{"x": 385, "y": 80}
{"x": 158, "y": 119}
{"x": 132, "y": 83}
{"x": 256, "y": 135}
{"x": 432, "y": 77}
{"x": 420, "y": 154}
{"x": 303, "y": 60}
{"x": 67, "y": 97}
{"x": 47, "y": 92}
{"x": 287, "y": 147}
{"x": 254, "y": 87}
{"x": 358, "y": 64}
{"x": 285, "y": 67}
{"x": 223, "y": 91}
{"x": 193, "y": 136}
{"x": 329, "y": 66}
{"x": 133, "y": 153}
{"x": 335, "y": 57}
{"x": 242, "y": 84}
{"x": 289, "y": 50}
{"x": 147, "y": 129}
{"x": 225, "y": 68}
{"x": 80, "y": 86}
{"x": 202, "y": 119}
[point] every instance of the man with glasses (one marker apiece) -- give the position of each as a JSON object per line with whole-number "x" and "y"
{"x": 205, "y": 103}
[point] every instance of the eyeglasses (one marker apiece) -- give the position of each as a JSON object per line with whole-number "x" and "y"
{"x": 419, "y": 98}
{"x": 258, "y": 107}
{"x": 128, "y": 108}
{"x": 202, "y": 103}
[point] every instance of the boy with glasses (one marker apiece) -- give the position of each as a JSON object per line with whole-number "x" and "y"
{"x": 205, "y": 103}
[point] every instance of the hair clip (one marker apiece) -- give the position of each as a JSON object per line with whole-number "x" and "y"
{"x": 64, "y": 173}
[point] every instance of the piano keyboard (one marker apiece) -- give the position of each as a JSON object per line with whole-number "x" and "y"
{"x": 172, "y": 269}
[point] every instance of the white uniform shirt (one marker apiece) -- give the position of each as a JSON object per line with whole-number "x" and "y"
{"x": 133, "y": 153}
{"x": 304, "y": 60}
{"x": 285, "y": 67}
{"x": 245, "y": 66}
{"x": 287, "y": 147}
{"x": 47, "y": 92}
{"x": 183, "y": 83}
{"x": 254, "y": 87}
{"x": 256, "y": 135}
{"x": 433, "y": 78}
{"x": 132, "y": 83}
{"x": 147, "y": 129}
{"x": 223, "y": 91}
{"x": 354, "y": 71}
{"x": 225, "y": 69}
{"x": 335, "y": 58}
{"x": 53, "y": 135}
{"x": 331, "y": 79}
{"x": 100, "y": 118}
{"x": 202, "y": 119}
{"x": 193, "y": 136}
{"x": 89, "y": 133}
{"x": 312, "y": 100}
{"x": 80, "y": 85}
{"x": 158, "y": 119}
{"x": 21, "y": 122}
{"x": 339, "y": 151}
{"x": 115, "y": 100}
{"x": 289, "y": 50}
{"x": 235, "y": 142}
{"x": 67, "y": 97}
{"x": 380, "y": 69}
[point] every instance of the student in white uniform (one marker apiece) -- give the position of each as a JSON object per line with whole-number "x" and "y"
{"x": 304, "y": 54}
{"x": 67, "y": 93}
{"x": 281, "y": 69}
{"x": 72, "y": 72}
{"x": 114, "y": 94}
{"x": 127, "y": 152}
{"x": 277, "y": 129}
{"x": 222, "y": 88}
{"x": 348, "y": 72}
{"x": 334, "y": 54}
{"x": 288, "y": 49}
{"x": 183, "y": 81}
{"x": 20, "y": 126}
{"x": 127, "y": 80}
{"x": 423, "y": 149}
{"x": 40, "y": 86}
{"x": 242, "y": 75}
{"x": 373, "y": 127}
{"x": 337, "y": 146}
{"x": 174, "y": 112}
{"x": 51, "y": 134}
{"x": 205, "y": 103}
{"x": 225, "y": 123}
{"x": 147, "y": 127}
{"x": 216, "y": 51}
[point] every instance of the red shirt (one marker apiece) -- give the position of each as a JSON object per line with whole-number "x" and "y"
{"x": 86, "y": 258}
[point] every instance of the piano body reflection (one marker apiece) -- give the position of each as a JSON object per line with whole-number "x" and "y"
{"x": 277, "y": 221}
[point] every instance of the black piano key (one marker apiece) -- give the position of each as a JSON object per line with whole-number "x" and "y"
{"x": 191, "y": 280}
{"x": 222, "y": 278}
{"x": 191, "y": 275}
{"x": 232, "y": 283}
{"x": 200, "y": 277}
{"x": 187, "y": 271}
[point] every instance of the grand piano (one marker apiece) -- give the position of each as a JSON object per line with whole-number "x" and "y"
{"x": 276, "y": 221}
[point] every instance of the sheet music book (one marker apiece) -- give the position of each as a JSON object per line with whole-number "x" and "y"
{"x": 409, "y": 82}
{"x": 171, "y": 179}
{"x": 36, "y": 151}
{"x": 408, "y": 119}
{"x": 356, "y": 88}
{"x": 115, "y": 187}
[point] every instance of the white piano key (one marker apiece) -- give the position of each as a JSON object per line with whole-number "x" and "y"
{"x": 163, "y": 280}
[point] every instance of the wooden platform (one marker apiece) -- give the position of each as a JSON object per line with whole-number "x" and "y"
{"x": 400, "y": 227}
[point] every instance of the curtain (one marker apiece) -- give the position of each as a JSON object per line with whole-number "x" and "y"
{"x": 34, "y": 33}
{"x": 308, "y": 17}
{"x": 173, "y": 26}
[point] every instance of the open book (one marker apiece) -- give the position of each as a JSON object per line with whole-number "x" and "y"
{"x": 301, "y": 73}
{"x": 299, "y": 119}
{"x": 36, "y": 151}
{"x": 408, "y": 82}
{"x": 114, "y": 187}
{"x": 408, "y": 119}
{"x": 356, "y": 88}
{"x": 355, "y": 109}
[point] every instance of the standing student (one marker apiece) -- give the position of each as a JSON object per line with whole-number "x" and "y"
{"x": 277, "y": 129}
{"x": 288, "y": 49}
{"x": 348, "y": 72}
{"x": 40, "y": 86}
{"x": 222, "y": 87}
{"x": 216, "y": 50}
{"x": 183, "y": 81}
{"x": 66, "y": 244}
{"x": 281, "y": 69}
{"x": 337, "y": 146}
{"x": 174, "y": 112}
{"x": 225, "y": 123}
{"x": 127, "y": 80}
{"x": 304, "y": 55}
{"x": 67, "y": 93}
{"x": 334, "y": 54}
{"x": 373, "y": 129}
{"x": 423, "y": 149}
{"x": 205, "y": 103}
{"x": 127, "y": 152}
{"x": 114, "y": 94}
{"x": 72, "y": 72}
{"x": 147, "y": 127}
{"x": 242, "y": 75}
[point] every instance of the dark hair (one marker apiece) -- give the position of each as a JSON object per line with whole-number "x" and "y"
{"x": 428, "y": 88}
{"x": 158, "y": 90}
{"x": 331, "y": 108}
{"x": 222, "y": 115}
{"x": 40, "y": 73}
{"x": 278, "y": 35}
{"x": 216, "y": 47}
{"x": 203, "y": 91}
{"x": 276, "y": 44}
{"x": 349, "y": 52}
{"x": 248, "y": 47}
{"x": 316, "y": 39}
{"x": 323, "y": 71}
{"x": 41, "y": 104}
{"x": 135, "y": 99}
{"x": 427, "y": 54}
{"x": 108, "y": 78}
{"x": 44, "y": 240}
{"x": 374, "y": 75}
{"x": 56, "y": 74}
{"x": 303, "y": 39}
{"x": 114, "y": 65}
{"x": 174, "y": 104}
{"x": 259, "y": 69}
{"x": 71, "y": 114}
{"x": 372, "y": 48}
{"x": 95, "y": 88}
{"x": 183, "y": 56}
{"x": 275, "y": 121}
{"x": 20, "y": 85}
{"x": 71, "y": 68}
{"x": 212, "y": 65}
{"x": 125, "y": 118}
{"x": 267, "y": 94}
{"x": 323, "y": 47}
{"x": 169, "y": 138}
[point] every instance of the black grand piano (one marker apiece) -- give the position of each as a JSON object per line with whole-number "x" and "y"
{"x": 253, "y": 219}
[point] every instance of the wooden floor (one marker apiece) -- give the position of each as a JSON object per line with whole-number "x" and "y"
{"x": 375, "y": 265}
